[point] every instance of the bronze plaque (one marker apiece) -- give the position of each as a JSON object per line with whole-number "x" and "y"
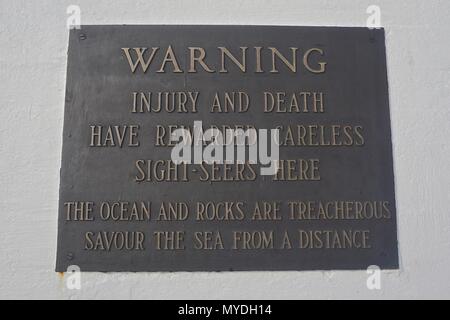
{"x": 127, "y": 205}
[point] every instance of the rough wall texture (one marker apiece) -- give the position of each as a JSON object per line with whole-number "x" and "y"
{"x": 33, "y": 45}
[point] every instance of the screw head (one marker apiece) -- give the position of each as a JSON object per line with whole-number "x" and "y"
{"x": 83, "y": 36}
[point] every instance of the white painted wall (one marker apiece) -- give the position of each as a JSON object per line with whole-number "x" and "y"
{"x": 33, "y": 45}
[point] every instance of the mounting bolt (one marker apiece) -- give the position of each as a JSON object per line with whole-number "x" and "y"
{"x": 83, "y": 36}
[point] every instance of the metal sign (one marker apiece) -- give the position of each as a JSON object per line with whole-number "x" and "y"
{"x": 321, "y": 198}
